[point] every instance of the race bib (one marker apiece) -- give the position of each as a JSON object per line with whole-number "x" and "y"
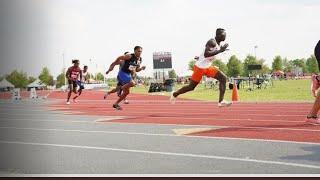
{"x": 74, "y": 75}
{"x": 132, "y": 67}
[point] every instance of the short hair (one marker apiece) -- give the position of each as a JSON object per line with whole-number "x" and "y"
{"x": 219, "y": 30}
{"x": 137, "y": 47}
{"x": 85, "y": 66}
{"x": 126, "y": 53}
{"x": 75, "y": 61}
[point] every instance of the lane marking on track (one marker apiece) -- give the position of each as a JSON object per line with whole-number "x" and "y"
{"x": 239, "y": 127}
{"x": 165, "y": 135}
{"x": 166, "y": 153}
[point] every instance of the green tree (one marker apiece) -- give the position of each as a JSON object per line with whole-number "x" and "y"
{"x": 300, "y": 63}
{"x": 46, "y": 77}
{"x": 287, "y": 65}
{"x": 265, "y": 68}
{"x": 191, "y": 64}
{"x": 222, "y": 66}
{"x": 31, "y": 79}
{"x": 99, "y": 77}
{"x": 250, "y": 60}
{"x": 277, "y": 64}
{"x": 18, "y": 79}
{"x": 312, "y": 64}
{"x": 89, "y": 75}
{"x": 172, "y": 74}
{"x": 234, "y": 67}
{"x": 61, "y": 80}
{"x": 1, "y": 78}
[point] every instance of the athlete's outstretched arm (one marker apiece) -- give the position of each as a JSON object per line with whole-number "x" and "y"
{"x": 117, "y": 61}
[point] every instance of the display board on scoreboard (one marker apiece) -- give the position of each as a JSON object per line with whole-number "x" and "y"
{"x": 162, "y": 60}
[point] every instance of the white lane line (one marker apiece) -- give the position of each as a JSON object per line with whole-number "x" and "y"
{"x": 88, "y": 131}
{"x": 167, "y": 153}
{"x": 28, "y": 113}
{"x": 182, "y": 125}
{"x": 165, "y": 135}
{"x": 225, "y": 119}
{"x": 46, "y": 120}
{"x": 239, "y": 127}
{"x": 153, "y": 117}
{"x": 156, "y": 115}
{"x": 197, "y": 118}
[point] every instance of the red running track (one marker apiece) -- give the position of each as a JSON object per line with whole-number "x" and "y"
{"x": 270, "y": 121}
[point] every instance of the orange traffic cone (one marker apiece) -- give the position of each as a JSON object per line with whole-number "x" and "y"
{"x": 235, "y": 95}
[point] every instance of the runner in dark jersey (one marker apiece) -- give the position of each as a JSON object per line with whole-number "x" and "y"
{"x": 134, "y": 77}
{"x": 133, "y": 74}
{"x": 124, "y": 76}
{"x": 73, "y": 74}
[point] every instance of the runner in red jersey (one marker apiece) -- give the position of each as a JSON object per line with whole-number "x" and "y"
{"x": 72, "y": 75}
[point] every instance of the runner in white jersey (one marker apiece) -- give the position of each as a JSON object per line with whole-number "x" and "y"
{"x": 205, "y": 62}
{"x": 203, "y": 66}
{"x": 81, "y": 82}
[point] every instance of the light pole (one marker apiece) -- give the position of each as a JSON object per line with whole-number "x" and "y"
{"x": 91, "y": 67}
{"x": 255, "y": 51}
{"x": 64, "y": 70}
{"x": 96, "y": 71}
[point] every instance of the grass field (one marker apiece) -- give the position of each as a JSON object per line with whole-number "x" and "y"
{"x": 285, "y": 90}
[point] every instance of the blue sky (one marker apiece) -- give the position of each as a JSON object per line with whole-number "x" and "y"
{"x": 36, "y": 33}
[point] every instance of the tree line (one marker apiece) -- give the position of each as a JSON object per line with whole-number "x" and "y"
{"x": 236, "y": 67}
{"x": 20, "y": 79}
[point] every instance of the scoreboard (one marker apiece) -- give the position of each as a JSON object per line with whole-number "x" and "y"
{"x": 162, "y": 60}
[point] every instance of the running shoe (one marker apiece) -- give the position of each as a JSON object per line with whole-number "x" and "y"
{"x": 117, "y": 107}
{"x": 105, "y": 96}
{"x": 313, "y": 120}
{"x": 172, "y": 98}
{"x": 224, "y": 103}
{"x": 74, "y": 99}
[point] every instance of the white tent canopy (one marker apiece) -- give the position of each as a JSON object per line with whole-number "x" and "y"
{"x": 5, "y": 84}
{"x": 36, "y": 84}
